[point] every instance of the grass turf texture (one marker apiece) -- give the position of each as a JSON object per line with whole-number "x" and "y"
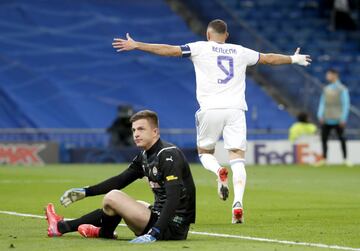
{"x": 297, "y": 203}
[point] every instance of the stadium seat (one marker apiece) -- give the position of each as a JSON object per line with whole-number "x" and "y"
{"x": 59, "y": 69}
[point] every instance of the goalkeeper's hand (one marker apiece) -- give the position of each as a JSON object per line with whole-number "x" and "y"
{"x": 150, "y": 237}
{"x": 72, "y": 195}
{"x": 143, "y": 239}
{"x": 300, "y": 59}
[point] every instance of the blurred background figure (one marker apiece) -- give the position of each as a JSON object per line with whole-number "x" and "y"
{"x": 301, "y": 128}
{"x": 333, "y": 112}
{"x": 120, "y": 130}
{"x": 341, "y": 16}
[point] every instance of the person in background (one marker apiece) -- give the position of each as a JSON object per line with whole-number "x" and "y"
{"x": 341, "y": 16}
{"x": 333, "y": 112}
{"x": 120, "y": 130}
{"x": 301, "y": 128}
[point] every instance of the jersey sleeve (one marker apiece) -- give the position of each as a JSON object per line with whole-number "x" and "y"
{"x": 321, "y": 108}
{"x": 171, "y": 164}
{"x": 132, "y": 173}
{"x": 345, "y": 101}
{"x": 251, "y": 57}
{"x": 190, "y": 50}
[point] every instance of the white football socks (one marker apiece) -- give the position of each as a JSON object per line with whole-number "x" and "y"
{"x": 210, "y": 162}
{"x": 239, "y": 179}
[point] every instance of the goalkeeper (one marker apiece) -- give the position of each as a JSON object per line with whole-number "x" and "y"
{"x": 169, "y": 176}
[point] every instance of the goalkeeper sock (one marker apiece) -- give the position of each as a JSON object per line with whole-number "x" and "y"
{"x": 108, "y": 225}
{"x": 210, "y": 162}
{"x": 239, "y": 178}
{"x": 93, "y": 218}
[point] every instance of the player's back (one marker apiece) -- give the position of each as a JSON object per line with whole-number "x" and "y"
{"x": 220, "y": 73}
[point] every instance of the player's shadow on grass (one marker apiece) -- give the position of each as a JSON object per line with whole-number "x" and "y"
{"x": 77, "y": 237}
{"x": 127, "y": 239}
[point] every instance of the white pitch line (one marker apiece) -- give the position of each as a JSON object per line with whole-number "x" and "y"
{"x": 58, "y": 181}
{"x": 24, "y": 215}
{"x": 242, "y": 237}
{"x": 308, "y": 244}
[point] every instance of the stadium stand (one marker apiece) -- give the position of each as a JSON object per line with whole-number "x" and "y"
{"x": 58, "y": 69}
{"x": 328, "y": 48}
{"x": 57, "y": 57}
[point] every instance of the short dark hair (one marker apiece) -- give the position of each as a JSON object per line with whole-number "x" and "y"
{"x": 218, "y": 25}
{"x": 303, "y": 117}
{"x": 150, "y": 116}
{"x": 333, "y": 70}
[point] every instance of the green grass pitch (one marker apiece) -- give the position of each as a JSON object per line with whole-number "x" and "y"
{"x": 294, "y": 203}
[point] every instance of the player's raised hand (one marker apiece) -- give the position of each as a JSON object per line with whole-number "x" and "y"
{"x": 300, "y": 59}
{"x": 72, "y": 195}
{"x": 127, "y": 44}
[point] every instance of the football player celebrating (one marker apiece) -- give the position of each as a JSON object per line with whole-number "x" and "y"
{"x": 170, "y": 178}
{"x": 220, "y": 70}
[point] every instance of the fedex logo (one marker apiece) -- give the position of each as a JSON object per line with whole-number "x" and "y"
{"x": 21, "y": 154}
{"x": 297, "y": 154}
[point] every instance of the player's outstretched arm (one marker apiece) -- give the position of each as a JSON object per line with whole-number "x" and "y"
{"x": 129, "y": 44}
{"x": 279, "y": 59}
{"x": 117, "y": 182}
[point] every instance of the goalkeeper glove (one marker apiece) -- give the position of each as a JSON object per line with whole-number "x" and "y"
{"x": 150, "y": 237}
{"x": 300, "y": 59}
{"x": 72, "y": 195}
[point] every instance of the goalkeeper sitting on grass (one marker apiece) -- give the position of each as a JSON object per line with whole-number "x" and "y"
{"x": 170, "y": 178}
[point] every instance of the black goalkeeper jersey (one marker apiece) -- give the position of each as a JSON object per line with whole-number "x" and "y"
{"x": 169, "y": 176}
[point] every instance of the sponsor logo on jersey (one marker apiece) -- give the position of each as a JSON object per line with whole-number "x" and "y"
{"x": 170, "y": 159}
{"x": 171, "y": 177}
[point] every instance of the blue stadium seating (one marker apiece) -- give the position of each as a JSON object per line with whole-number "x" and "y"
{"x": 58, "y": 69}
{"x": 328, "y": 48}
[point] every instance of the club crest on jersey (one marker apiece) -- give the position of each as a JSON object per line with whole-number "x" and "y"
{"x": 155, "y": 170}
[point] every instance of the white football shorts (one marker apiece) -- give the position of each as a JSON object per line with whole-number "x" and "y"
{"x": 213, "y": 123}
